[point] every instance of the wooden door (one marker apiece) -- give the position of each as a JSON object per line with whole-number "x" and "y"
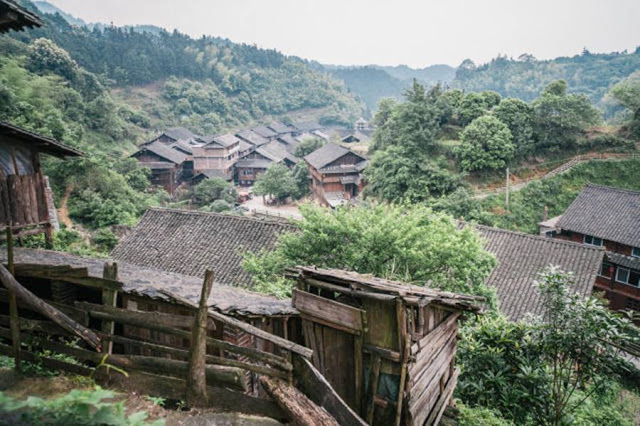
{"x": 333, "y": 331}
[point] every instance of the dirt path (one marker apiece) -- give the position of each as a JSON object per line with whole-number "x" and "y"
{"x": 63, "y": 211}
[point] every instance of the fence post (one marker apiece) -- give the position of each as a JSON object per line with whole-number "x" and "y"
{"x": 196, "y": 379}
{"x": 13, "y": 304}
{"x": 109, "y": 297}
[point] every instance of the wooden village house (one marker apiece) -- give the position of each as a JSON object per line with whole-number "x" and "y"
{"x": 219, "y": 152}
{"x": 256, "y": 162}
{"x": 169, "y": 164}
{"x": 26, "y": 202}
{"x": 607, "y": 218}
{"x": 336, "y": 174}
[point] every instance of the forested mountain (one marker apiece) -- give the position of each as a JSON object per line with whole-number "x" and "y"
{"x": 374, "y": 82}
{"x": 432, "y": 74}
{"x": 225, "y": 84}
{"x": 525, "y": 77}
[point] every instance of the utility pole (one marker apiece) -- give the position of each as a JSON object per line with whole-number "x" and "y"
{"x": 507, "y": 192}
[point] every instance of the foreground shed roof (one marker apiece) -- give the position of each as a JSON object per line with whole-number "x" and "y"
{"x": 188, "y": 242}
{"x": 41, "y": 143}
{"x": 605, "y": 212}
{"x": 521, "y": 258}
{"x": 15, "y": 17}
{"x": 148, "y": 282}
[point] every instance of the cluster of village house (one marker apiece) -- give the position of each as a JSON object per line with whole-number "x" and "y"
{"x": 177, "y": 156}
{"x": 597, "y": 238}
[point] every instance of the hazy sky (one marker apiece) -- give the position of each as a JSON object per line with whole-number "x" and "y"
{"x": 389, "y": 32}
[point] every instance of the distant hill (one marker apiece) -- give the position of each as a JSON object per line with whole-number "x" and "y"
{"x": 46, "y": 7}
{"x": 525, "y": 77}
{"x": 374, "y": 82}
{"x": 431, "y": 74}
{"x": 370, "y": 84}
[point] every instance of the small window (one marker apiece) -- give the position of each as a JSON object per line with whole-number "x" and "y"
{"x": 593, "y": 241}
{"x": 622, "y": 275}
{"x": 635, "y": 251}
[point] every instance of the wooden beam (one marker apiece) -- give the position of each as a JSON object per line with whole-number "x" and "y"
{"x": 109, "y": 297}
{"x": 51, "y": 363}
{"x": 317, "y": 388}
{"x": 374, "y": 377}
{"x": 347, "y": 290}
{"x": 196, "y": 377}
{"x": 146, "y": 319}
{"x": 49, "y": 311}
{"x": 328, "y": 311}
{"x": 13, "y": 304}
{"x": 300, "y": 409}
{"x": 247, "y": 328}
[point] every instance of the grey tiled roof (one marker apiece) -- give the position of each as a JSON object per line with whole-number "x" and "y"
{"x": 276, "y": 152}
{"x": 630, "y": 262}
{"x": 213, "y": 173}
{"x": 326, "y": 155}
{"x": 280, "y": 128}
{"x": 521, "y": 258}
{"x": 148, "y": 281}
{"x": 225, "y": 140}
{"x": 180, "y": 133}
{"x": 289, "y": 142}
{"x": 264, "y": 131}
{"x": 164, "y": 151}
{"x": 605, "y": 212}
{"x": 307, "y": 126}
{"x": 252, "y": 137}
{"x": 188, "y": 243}
{"x": 16, "y": 17}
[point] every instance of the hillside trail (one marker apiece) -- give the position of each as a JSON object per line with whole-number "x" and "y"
{"x": 63, "y": 211}
{"x": 518, "y": 185}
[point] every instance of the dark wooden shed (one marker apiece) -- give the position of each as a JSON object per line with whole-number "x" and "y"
{"x": 23, "y": 189}
{"x": 386, "y": 347}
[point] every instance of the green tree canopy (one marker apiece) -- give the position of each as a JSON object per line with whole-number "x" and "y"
{"x": 627, "y": 94}
{"x": 393, "y": 176}
{"x": 486, "y": 145}
{"x": 210, "y": 190}
{"x": 561, "y": 117}
{"x": 307, "y": 146}
{"x": 277, "y": 182}
{"x": 408, "y": 243}
{"x": 518, "y": 116}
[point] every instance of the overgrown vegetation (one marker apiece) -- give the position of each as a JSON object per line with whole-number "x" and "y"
{"x": 408, "y": 243}
{"x": 78, "y": 407}
{"x": 560, "y": 368}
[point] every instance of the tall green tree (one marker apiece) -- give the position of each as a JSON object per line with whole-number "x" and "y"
{"x": 561, "y": 117}
{"x": 486, "y": 145}
{"x": 518, "y": 116}
{"x": 627, "y": 94}
{"x": 276, "y": 182}
{"x": 210, "y": 190}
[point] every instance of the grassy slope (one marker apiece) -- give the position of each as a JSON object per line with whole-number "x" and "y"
{"x": 527, "y": 205}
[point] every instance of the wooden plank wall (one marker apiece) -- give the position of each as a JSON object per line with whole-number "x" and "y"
{"x": 23, "y": 201}
{"x": 431, "y": 375}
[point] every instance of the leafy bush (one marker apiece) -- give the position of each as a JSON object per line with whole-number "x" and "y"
{"x": 408, "y": 243}
{"x": 78, "y": 407}
{"x": 105, "y": 240}
{"x": 210, "y": 190}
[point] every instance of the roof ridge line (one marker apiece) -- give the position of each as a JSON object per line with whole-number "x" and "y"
{"x": 200, "y": 213}
{"x": 614, "y": 188}
{"x": 540, "y": 237}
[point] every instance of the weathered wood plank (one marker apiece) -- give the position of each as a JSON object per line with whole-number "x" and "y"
{"x": 422, "y": 389}
{"x": 78, "y": 315}
{"x": 300, "y": 409}
{"x": 431, "y": 339}
{"x": 109, "y": 297}
{"x": 347, "y": 290}
{"x": 247, "y": 328}
{"x": 328, "y": 310}
{"x": 374, "y": 377}
{"x": 47, "y": 310}
{"x": 445, "y": 397}
{"x": 316, "y": 387}
{"x": 139, "y": 318}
